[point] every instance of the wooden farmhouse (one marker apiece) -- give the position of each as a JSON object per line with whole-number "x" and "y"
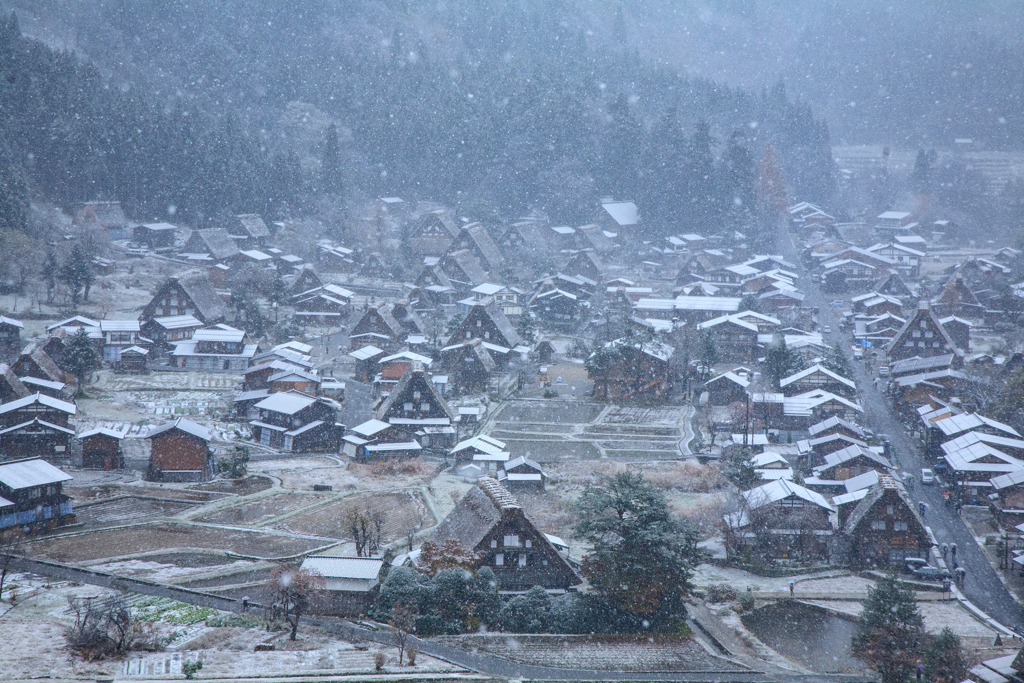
{"x": 386, "y": 326}
{"x": 462, "y": 270}
{"x": 885, "y": 527}
{"x": 415, "y": 405}
{"x": 32, "y": 495}
{"x": 11, "y": 387}
{"x": 187, "y": 294}
{"x": 101, "y": 449}
{"x": 37, "y": 425}
{"x": 726, "y": 389}
{"x": 735, "y": 339}
{"x": 296, "y": 422}
{"x": 107, "y": 216}
{"x": 522, "y": 474}
{"x": 305, "y": 280}
{"x": 155, "y": 235}
{"x": 34, "y": 362}
{"x": 817, "y": 377}
{"x": 214, "y": 242}
{"x": 922, "y": 335}
{"x": 433, "y": 234}
{"x": 10, "y": 337}
{"x": 215, "y": 349}
{"x": 781, "y": 520}
{"x": 248, "y": 230}
{"x": 489, "y": 520}
{"x": 477, "y": 240}
{"x": 638, "y": 371}
{"x": 375, "y": 440}
{"x": 180, "y": 451}
{"x": 166, "y": 330}
{"x": 486, "y": 322}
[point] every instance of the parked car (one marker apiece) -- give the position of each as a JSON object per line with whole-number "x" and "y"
{"x": 827, "y": 329}
{"x": 837, "y": 303}
{"x": 883, "y": 371}
{"x": 930, "y": 573}
{"x": 912, "y": 564}
{"x": 927, "y": 476}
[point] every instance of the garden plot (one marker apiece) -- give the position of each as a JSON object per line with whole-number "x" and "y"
{"x": 129, "y": 509}
{"x": 253, "y": 513}
{"x": 239, "y": 487}
{"x": 143, "y": 538}
{"x": 554, "y": 431}
{"x": 162, "y": 570}
{"x": 601, "y": 653}
{"x": 403, "y": 510}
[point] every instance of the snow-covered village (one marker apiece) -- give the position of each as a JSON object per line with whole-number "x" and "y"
{"x": 377, "y": 342}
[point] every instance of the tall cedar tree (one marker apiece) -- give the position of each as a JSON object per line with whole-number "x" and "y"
{"x": 77, "y": 274}
{"x": 891, "y": 634}
{"x": 80, "y": 358}
{"x": 330, "y": 164}
{"x": 781, "y": 362}
{"x": 642, "y": 559}
{"x": 50, "y": 269}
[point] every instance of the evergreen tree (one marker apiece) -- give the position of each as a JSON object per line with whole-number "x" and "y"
{"x": 79, "y": 358}
{"x": 330, "y": 164}
{"x": 781, "y": 362}
{"x": 944, "y": 660}
{"x": 891, "y": 635}
{"x": 741, "y": 470}
{"x": 707, "y": 352}
{"x": 527, "y": 328}
{"x": 837, "y": 361}
{"x": 770, "y": 188}
{"x": 77, "y": 274}
{"x": 700, "y": 204}
{"x": 13, "y": 190}
{"x": 50, "y": 271}
{"x": 642, "y": 558}
{"x": 736, "y": 184}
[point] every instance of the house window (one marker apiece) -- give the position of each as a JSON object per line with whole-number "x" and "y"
{"x": 408, "y": 407}
{"x": 487, "y": 335}
{"x": 929, "y": 334}
{"x": 494, "y": 543}
{"x": 424, "y": 406}
{"x": 499, "y": 559}
{"x": 511, "y": 542}
{"x": 288, "y": 443}
{"x": 888, "y": 509}
{"x": 899, "y": 526}
{"x": 522, "y": 559}
{"x": 479, "y": 323}
{"x": 415, "y": 394}
{"x": 265, "y": 437}
{"x": 916, "y": 334}
{"x": 878, "y": 525}
{"x": 529, "y": 543}
{"x": 469, "y": 335}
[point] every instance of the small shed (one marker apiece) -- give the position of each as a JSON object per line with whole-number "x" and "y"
{"x": 101, "y": 449}
{"x": 180, "y": 451}
{"x": 351, "y": 583}
{"x": 132, "y": 361}
{"x": 522, "y": 473}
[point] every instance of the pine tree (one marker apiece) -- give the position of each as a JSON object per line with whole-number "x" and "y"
{"x": 330, "y": 164}
{"x": 13, "y": 190}
{"x": 50, "y": 271}
{"x": 891, "y": 634}
{"x": 837, "y": 362}
{"x": 79, "y": 358}
{"x": 742, "y": 472}
{"x": 527, "y": 329}
{"x": 77, "y": 273}
{"x": 781, "y": 362}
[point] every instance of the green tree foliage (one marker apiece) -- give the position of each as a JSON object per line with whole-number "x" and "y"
{"x": 13, "y": 189}
{"x": 642, "y": 558}
{"x": 944, "y": 659}
{"x": 527, "y": 329}
{"x": 453, "y": 601}
{"x": 707, "y": 352}
{"x": 1008, "y": 404}
{"x": 77, "y": 274}
{"x": 838, "y": 362}
{"x": 49, "y": 272}
{"x": 527, "y": 613}
{"x": 781, "y": 362}
{"x": 80, "y": 358}
{"x": 330, "y": 164}
{"x": 741, "y": 470}
{"x": 890, "y": 637}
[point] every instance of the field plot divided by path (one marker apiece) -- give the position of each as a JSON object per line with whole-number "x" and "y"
{"x": 129, "y": 509}
{"x": 148, "y": 537}
{"x": 553, "y": 431}
{"x": 600, "y": 653}
{"x": 402, "y": 511}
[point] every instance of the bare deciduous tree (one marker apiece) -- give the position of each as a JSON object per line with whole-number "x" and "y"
{"x": 295, "y": 592}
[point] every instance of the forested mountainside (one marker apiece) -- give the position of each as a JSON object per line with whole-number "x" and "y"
{"x": 252, "y": 106}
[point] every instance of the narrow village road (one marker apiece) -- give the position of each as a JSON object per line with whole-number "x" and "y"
{"x": 982, "y": 585}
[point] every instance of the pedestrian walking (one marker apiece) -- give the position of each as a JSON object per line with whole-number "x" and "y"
{"x": 952, "y": 549}
{"x": 922, "y": 507}
{"x": 792, "y": 587}
{"x": 945, "y": 550}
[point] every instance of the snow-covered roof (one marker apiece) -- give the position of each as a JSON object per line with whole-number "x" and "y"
{"x": 185, "y": 425}
{"x": 623, "y": 213}
{"x": 780, "y": 490}
{"x": 286, "y": 402}
{"x": 23, "y": 474}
